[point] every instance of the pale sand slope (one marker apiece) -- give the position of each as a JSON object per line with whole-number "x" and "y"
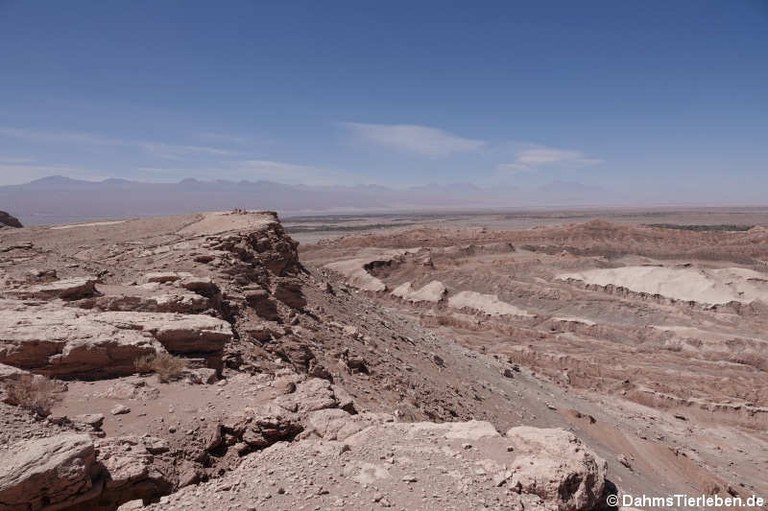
{"x": 354, "y": 270}
{"x": 432, "y": 292}
{"x": 712, "y": 286}
{"x": 91, "y": 224}
{"x": 487, "y": 304}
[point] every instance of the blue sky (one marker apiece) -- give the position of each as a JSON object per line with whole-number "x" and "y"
{"x": 633, "y": 96}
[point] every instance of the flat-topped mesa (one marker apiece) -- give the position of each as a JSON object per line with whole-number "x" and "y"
{"x": 220, "y": 222}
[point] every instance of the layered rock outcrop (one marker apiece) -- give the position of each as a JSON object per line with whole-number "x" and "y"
{"x": 67, "y": 342}
{"x": 51, "y": 473}
{"x": 60, "y": 341}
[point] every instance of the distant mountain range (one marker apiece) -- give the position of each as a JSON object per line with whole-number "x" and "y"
{"x": 57, "y": 199}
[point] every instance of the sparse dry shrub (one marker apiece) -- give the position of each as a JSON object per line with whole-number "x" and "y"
{"x": 143, "y": 364}
{"x": 694, "y": 343}
{"x": 167, "y": 367}
{"x": 33, "y": 392}
{"x": 675, "y": 345}
{"x": 408, "y": 412}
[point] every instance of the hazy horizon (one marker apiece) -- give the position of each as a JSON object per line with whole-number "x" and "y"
{"x": 58, "y": 199}
{"x": 652, "y": 102}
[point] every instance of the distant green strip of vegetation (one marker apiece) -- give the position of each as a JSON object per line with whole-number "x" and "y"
{"x": 343, "y": 228}
{"x": 704, "y": 228}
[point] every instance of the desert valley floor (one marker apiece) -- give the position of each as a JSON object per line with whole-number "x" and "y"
{"x": 514, "y": 360}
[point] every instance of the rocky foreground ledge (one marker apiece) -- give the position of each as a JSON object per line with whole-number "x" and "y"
{"x": 354, "y": 462}
{"x": 281, "y": 390}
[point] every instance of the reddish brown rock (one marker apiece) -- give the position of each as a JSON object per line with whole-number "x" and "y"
{"x": 66, "y": 289}
{"x": 558, "y": 467}
{"x": 178, "y": 333}
{"x": 48, "y": 473}
{"x": 60, "y": 341}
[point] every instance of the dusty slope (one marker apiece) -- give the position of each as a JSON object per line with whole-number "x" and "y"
{"x": 266, "y": 342}
{"x": 644, "y": 357}
{"x": 302, "y": 342}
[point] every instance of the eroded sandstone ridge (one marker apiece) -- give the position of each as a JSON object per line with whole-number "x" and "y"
{"x": 663, "y": 328}
{"x": 276, "y": 384}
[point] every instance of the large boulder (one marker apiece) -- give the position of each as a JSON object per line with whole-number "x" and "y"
{"x": 558, "y": 467}
{"x": 310, "y": 395}
{"x": 257, "y": 428}
{"x": 10, "y": 373}
{"x": 550, "y": 468}
{"x": 204, "y": 286}
{"x": 136, "y": 468}
{"x": 54, "y": 472}
{"x": 262, "y": 303}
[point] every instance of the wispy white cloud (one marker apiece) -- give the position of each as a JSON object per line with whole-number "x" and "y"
{"x": 422, "y": 140}
{"x": 175, "y": 152}
{"x": 159, "y": 149}
{"x": 244, "y": 141}
{"x": 536, "y": 157}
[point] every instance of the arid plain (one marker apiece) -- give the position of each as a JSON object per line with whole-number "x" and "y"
{"x": 512, "y": 360}
{"x": 657, "y": 317}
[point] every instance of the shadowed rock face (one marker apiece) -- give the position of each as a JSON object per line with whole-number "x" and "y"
{"x": 7, "y": 220}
